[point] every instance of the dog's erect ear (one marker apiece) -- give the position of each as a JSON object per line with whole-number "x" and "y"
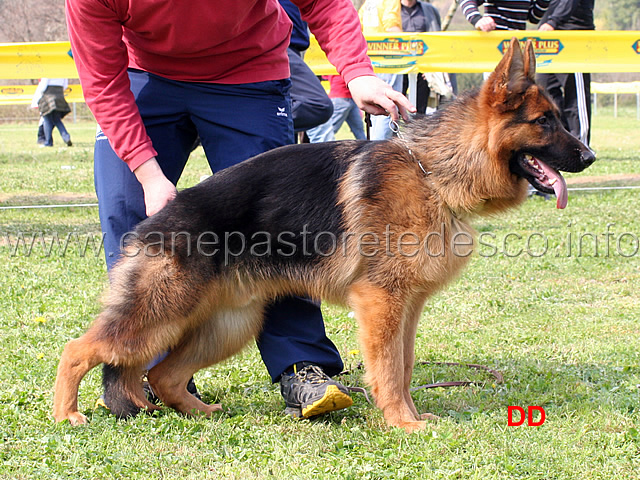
{"x": 530, "y": 61}
{"x": 511, "y": 78}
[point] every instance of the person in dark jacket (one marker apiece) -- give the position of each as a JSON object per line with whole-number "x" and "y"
{"x": 310, "y": 104}
{"x": 419, "y": 16}
{"x": 570, "y": 91}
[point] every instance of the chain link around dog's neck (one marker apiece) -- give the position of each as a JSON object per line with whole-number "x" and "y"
{"x": 393, "y": 125}
{"x": 395, "y": 128}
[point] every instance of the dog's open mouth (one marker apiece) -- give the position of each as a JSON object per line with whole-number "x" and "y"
{"x": 544, "y": 178}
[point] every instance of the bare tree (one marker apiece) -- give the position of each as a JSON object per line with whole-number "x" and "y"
{"x": 32, "y": 21}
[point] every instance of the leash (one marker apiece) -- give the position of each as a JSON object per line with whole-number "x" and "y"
{"x": 395, "y": 128}
{"x": 463, "y": 383}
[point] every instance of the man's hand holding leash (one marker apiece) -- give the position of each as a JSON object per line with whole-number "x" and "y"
{"x": 378, "y": 98}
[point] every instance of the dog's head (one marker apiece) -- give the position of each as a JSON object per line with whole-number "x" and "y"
{"x": 529, "y": 133}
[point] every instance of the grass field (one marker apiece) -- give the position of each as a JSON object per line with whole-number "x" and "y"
{"x": 550, "y": 300}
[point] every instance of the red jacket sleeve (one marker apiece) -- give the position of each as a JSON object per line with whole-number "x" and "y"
{"x": 95, "y": 33}
{"x": 336, "y": 25}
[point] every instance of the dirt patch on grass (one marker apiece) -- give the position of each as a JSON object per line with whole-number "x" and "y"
{"x": 33, "y": 198}
{"x": 619, "y": 178}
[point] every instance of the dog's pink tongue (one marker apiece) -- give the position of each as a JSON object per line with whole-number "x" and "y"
{"x": 559, "y": 185}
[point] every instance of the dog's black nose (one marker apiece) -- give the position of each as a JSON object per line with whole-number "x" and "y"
{"x": 588, "y": 156}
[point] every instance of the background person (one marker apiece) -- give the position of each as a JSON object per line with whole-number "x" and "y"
{"x": 49, "y": 97}
{"x": 344, "y": 110}
{"x": 421, "y": 16}
{"x": 503, "y": 14}
{"x": 570, "y": 91}
{"x": 157, "y": 75}
{"x": 382, "y": 16}
{"x": 310, "y": 105}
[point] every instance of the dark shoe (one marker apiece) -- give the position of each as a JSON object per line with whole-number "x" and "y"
{"x": 69, "y": 143}
{"x": 310, "y": 392}
{"x": 191, "y": 388}
{"x": 152, "y": 397}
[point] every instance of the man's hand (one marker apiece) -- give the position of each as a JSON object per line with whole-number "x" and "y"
{"x": 158, "y": 190}
{"x": 378, "y": 98}
{"x": 545, "y": 27}
{"x": 486, "y": 24}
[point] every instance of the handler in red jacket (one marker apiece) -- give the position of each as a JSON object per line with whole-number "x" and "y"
{"x": 159, "y": 74}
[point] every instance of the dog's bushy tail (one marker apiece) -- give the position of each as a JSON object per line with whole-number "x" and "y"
{"x": 123, "y": 393}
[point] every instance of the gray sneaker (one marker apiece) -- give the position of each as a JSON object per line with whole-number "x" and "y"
{"x": 309, "y": 392}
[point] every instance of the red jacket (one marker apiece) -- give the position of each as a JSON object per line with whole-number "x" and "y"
{"x": 338, "y": 88}
{"x": 217, "y": 41}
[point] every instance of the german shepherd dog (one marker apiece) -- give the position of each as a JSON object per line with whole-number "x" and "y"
{"x": 372, "y": 225}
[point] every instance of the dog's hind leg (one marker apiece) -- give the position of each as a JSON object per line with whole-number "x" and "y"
{"x": 80, "y": 356}
{"x": 123, "y": 392}
{"x": 382, "y": 319}
{"x": 142, "y": 318}
{"x": 222, "y": 335}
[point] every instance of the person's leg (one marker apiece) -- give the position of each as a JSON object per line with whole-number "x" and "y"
{"x": 341, "y": 107}
{"x": 422, "y": 94}
{"x": 322, "y": 133}
{"x": 57, "y": 121}
{"x": 355, "y": 121}
{"x": 586, "y": 118}
{"x": 293, "y": 333}
{"x": 310, "y": 105}
{"x": 41, "y": 139}
{"x": 47, "y": 125}
{"x": 577, "y": 107}
{"x": 120, "y": 195}
{"x": 554, "y": 85}
{"x": 326, "y": 132}
{"x": 380, "y": 129}
{"x": 236, "y": 122}
{"x": 294, "y": 329}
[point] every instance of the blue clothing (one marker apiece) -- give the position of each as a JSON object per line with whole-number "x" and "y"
{"x": 380, "y": 129}
{"x": 51, "y": 120}
{"x": 310, "y": 105}
{"x": 344, "y": 110}
{"x": 300, "y": 33}
{"x": 309, "y": 102}
{"x": 233, "y": 122}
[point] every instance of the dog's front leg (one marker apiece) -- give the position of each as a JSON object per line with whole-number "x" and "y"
{"x": 410, "y": 328}
{"x": 409, "y": 340}
{"x": 382, "y": 319}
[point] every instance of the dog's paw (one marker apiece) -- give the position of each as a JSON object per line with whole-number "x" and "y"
{"x": 430, "y": 417}
{"x": 411, "y": 427}
{"x": 75, "y": 418}
{"x": 211, "y": 409}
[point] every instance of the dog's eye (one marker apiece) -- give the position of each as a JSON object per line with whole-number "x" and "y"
{"x": 541, "y": 120}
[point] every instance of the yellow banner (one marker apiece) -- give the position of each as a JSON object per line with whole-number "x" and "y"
{"x": 37, "y": 60}
{"x": 469, "y": 51}
{"x": 23, "y": 94}
{"x": 556, "y": 52}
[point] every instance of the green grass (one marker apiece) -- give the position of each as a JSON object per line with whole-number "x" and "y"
{"x": 564, "y": 330}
